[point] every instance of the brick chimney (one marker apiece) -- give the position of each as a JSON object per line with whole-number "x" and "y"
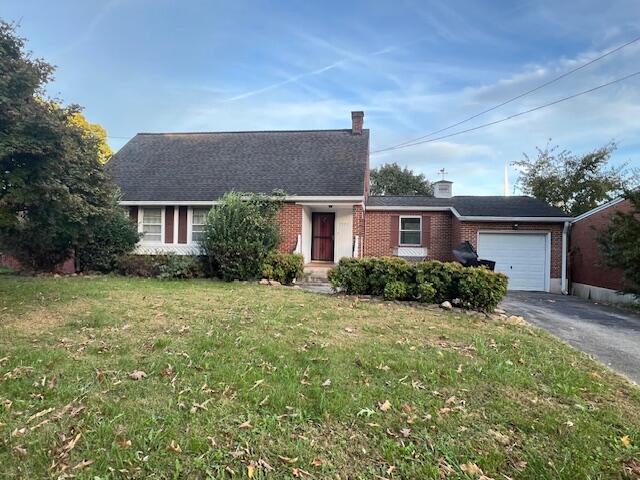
{"x": 357, "y": 120}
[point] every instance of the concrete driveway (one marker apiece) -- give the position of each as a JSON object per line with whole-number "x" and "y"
{"x": 609, "y": 334}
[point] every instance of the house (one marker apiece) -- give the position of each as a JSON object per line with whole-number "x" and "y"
{"x": 170, "y": 180}
{"x": 590, "y": 278}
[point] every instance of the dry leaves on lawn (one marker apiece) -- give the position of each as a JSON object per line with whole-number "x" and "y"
{"x": 137, "y": 375}
{"x": 471, "y": 469}
{"x": 384, "y": 406}
{"x": 174, "y": 447}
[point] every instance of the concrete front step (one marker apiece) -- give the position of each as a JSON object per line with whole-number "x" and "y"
{"x": 317, "y": 272}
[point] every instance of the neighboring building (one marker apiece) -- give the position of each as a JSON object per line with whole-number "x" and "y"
{"x": 170, "y": 180}
{"x": 590, "y": 278}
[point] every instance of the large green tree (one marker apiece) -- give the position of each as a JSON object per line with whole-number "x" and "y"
{"x": 53, "y": 188}
{"x": 574, "y": 183}
{"x": 620, "y": 244}
{"x": 392, "y": 179}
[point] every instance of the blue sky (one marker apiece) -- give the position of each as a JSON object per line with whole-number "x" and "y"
{"x": 412, "y": 66}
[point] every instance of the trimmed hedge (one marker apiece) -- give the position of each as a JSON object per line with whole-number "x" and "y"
{"x": 169, "y": 266}
{"x": 430, "y": 281}
{"x": 283, "y": 267}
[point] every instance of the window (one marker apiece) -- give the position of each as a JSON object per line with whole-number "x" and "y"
{"x": 410, "y": 230}
{"x": 152, "y": 225}
{"x": 198, "y": 219}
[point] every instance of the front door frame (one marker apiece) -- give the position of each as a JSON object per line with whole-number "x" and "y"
{"x": 314, "y": 254}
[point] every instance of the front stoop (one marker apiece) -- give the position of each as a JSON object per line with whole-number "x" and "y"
{"x": 316, "y": 272}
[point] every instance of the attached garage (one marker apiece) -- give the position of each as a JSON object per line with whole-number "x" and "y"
{"x": 523, "y": 256}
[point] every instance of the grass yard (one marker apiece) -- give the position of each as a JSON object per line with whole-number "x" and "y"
{"x": 267, "y": 382}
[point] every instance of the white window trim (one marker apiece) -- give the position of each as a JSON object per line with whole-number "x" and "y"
{"x": 141, "y": 223}
{"x": 400, "y": 244}
{"x": 190, "y": 224}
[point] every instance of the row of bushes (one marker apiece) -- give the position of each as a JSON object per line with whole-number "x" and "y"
{"x": 281, "y": 267}
{"x": 431, "y": 281}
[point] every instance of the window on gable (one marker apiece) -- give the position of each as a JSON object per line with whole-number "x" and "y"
{"x": 198, "y": 219}
{"x": 152, "y": 225}
{"x": 410, "y": 230}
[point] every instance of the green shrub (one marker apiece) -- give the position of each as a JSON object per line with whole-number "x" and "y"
{"x": 180, "y": 267}
{"x": 425, "y": 292}
{"x": 239, "y": 233}
{"x": 444, "y": 277}
{"x": 112, "y": 236}
{"x": 137, "y": 266}
{"x": 350, "y": 276}
{"x": 395, "y": 290}
{"x": 481, "y": 289}
{"x": 283, "y": 267}
{"x": 160, "y": 266}
{"x": 428, "y": 282}
{"x": 384, "y": 270}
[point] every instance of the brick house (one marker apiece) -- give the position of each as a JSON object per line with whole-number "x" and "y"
{"x": 590, "y": 278}
{"x": 170, "y": 180}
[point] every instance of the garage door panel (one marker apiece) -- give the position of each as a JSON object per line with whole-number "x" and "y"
{"x": 522, "y": 257}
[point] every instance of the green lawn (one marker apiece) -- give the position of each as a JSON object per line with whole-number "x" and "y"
{"x": 273, "y": 382}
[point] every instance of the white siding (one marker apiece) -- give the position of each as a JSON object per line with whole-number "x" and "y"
{"x": 343, "y": 234}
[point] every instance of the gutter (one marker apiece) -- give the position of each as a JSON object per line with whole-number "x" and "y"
{"x": 563, "y": 282}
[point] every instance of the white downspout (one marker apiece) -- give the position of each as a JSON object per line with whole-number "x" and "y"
{"x": 563, "y": 280}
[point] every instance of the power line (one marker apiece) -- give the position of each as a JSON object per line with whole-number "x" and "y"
{"x": 540, "y": 107}
{"x": 539, "y": 87}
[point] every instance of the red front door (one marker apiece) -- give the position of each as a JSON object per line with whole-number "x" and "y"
{"x": 322, "y": 236}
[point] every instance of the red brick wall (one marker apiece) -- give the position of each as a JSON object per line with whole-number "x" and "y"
{"x": 585, "y": 263}
{"x": 290, "y": 220}
{"x": 378, "y": 234}
{"x": 447, "y": 232}
{"x": 469, "y": 232}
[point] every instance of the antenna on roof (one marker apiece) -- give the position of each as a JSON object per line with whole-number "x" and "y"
{"x": 442, "y": 172}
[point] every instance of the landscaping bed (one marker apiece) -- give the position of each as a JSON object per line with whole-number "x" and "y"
{"x": 112, "y": 377}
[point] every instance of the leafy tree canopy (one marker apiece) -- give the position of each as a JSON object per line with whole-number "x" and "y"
{"x": 391, "y": 179}
{"x": 96, "y": 130}
{"x": 573, "y": 183}
{"x": 620, "y": 244}
{"x": 53, "y": 188}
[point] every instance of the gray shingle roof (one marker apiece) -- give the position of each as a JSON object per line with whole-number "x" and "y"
{"x": 476, "y": 206}
{"x": 203, "y": 166}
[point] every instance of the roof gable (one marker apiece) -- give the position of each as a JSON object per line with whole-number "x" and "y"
{"x": 203, "y": 166}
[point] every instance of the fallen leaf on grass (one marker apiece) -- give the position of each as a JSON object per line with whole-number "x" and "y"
{"x": 257, "y": 384}
{"x": 326, "y": 383}
{"x": 174, "y": 447}
{"x": 19, "y": 451}
{"x": 83, "y": 464}
{"x": 316, "y": 462}
{"x": 40, "y": 414}
{"x": 299, "y": 473}
{"x": 137, "y": 375}
{"x": 500, "y": 437}
{"x": 471, "y": 469}
{"x": 124, "y": 444}
{"x": 405, "y": 432}
{"x": 626, "y": 441}
{"x": 264, "y": 401}
{"x": 287, "y": 459}
{"x": 245, "y": 425}
{"x": 384, "y": 406}
{"x": 251, "y": 470}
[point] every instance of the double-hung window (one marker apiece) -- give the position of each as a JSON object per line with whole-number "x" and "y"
{"x": 198, "y": 219}
{"x": 152, "y": 225}
{"x": 410, "y": 230}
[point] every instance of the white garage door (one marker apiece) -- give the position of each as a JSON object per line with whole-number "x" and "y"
{"x": 521, "y": 256}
